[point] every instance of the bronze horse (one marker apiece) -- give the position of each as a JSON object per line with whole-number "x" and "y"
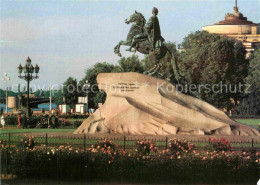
{"x": 144, "y": 45}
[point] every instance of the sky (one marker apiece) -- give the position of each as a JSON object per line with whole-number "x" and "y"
{"x": 65, "y": 37}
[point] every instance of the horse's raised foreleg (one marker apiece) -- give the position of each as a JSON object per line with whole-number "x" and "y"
{"x": 117, "y": 47}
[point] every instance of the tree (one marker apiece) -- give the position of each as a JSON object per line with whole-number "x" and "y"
{"x": 96, "y": 96}
{"x": 215, "y": 65}
{"x": 2, "y": 95}
{"x": 131, "y": 64}
{"x": 70, "y": 91}
{"x": 58, "y": 95}
{"x": 42, "y": 93}
{"x": 10, "y": 93}
{"x": 38, "y": 93}
{"x": 250, "y": 104}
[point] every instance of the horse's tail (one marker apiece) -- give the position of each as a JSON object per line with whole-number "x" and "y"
{"x": 174, "y": 63}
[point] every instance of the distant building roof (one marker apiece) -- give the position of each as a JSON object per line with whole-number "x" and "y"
{"x": 235, "y": 18}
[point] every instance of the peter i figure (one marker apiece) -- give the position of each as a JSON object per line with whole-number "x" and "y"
{"x": 152, "y": 32}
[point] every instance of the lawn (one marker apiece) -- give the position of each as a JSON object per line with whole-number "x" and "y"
{"x": 251, "y": 122}
{"x": 43, "y": 130}
{"x": 76, "y": 119}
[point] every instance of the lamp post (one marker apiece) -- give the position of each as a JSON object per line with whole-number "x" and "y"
{"x": 86, "y": 85}
{"x": 28, "y": 70}
{"x": 6, "y": 78}
{"x": 50, "y": 88}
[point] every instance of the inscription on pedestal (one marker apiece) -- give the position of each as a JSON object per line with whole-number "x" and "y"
{"x": 124, "y": 87}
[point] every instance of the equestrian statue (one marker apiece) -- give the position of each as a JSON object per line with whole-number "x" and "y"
{"x": 146, "y": 38}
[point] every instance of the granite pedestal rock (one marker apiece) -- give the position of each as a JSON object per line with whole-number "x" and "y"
{"x": 139, "y": 104}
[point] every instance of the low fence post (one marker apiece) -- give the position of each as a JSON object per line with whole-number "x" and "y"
{"x": 9, "y": 140}
{"x": 166, "y": 143}
{"x": 60, "y": 169}
{"x": 6, "y": 162}
{"x": 46, "y": 140}
{"x": 124, "y": 142}
{"x": 252, "y": 143}
{"x": 84, "y": 144}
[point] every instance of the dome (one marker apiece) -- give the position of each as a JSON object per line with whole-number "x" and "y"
{"x": 236, "y": 18}
{"x": 234, "y": 24}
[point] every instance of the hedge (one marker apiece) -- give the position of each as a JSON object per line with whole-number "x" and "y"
{"x": 40, "y": 122}
{"x": 103, "y": 162}
{"x": 103, "y": 167}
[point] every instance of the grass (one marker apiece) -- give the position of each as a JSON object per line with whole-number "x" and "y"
{"x": 251, "y": 122}
{"x": 43, "y": 130}
{"x": 76, "y": 119}
{"x": 78, "y": 141}
{"x": 12, "y": 129}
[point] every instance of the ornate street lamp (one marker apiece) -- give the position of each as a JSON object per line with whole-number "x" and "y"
{"x": 6, "y": 78}
{"x": 87, "y": 86}
{"x": 28, "y": 70}
{"x": 51, "y": 89}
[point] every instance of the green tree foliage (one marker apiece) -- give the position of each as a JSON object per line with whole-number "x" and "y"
{"x": 70, "y": 91}
{"x": 96, "y": 96}
{"x": 131, "y": 64}
{"x": 2, "y": 95}
{"x": 58, "y": 95}
{"x": 250, "y": 104}
{"x": 42, "y": 93}
{"x": 212, "y": 59}
{"x": 10, "y": 93}
{"x": 38, "y": 93}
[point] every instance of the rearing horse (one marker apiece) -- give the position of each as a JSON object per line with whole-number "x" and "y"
{"x": 144, "y": 46}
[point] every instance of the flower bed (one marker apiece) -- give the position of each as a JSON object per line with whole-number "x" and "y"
{"x": 219, "y": 145}
{"x": 105, "y": 163}
{"x": 145, "y": 147}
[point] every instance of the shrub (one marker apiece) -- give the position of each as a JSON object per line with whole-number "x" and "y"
{"x": 41, "y": 122}
{"x": 219, "y": 145}
{"x": 103, "y": 163}
{"x": 77, "y": 123}
{"x": 32, "y": 122}
{"x": 178, "y": 146}
{"x": 144, "y": 147}
{"x": 72, "y": 163}
{"x": 63, "y": 122}
{"x": 27, "y": 143}
{"x": 2, "y": 144}
{"x": 11, "y": 120}
{"x": 105, "y": 146}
